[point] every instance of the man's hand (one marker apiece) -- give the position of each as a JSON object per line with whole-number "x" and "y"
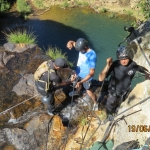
{"x": 73, "y": 77}
{"x": 78, "y": 84}
{"x": 109, "y": 61}
{"x": 147, "y": 76}
{"x": 70, "y": 45}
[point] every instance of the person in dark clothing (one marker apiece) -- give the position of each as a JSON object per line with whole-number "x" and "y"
{"x": 121, "y": 73}
{"x": 49, "y": 81}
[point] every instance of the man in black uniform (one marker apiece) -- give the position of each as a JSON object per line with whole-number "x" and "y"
{"x": 122, "y": 72}
{"x": 49, "y": 81}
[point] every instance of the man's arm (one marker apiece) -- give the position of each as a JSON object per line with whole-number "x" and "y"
{"x": 144, "y": 71}
{"x": 103, "y": 74}
{"x": 91, "y": 74}
{"x": 67, "y": 82}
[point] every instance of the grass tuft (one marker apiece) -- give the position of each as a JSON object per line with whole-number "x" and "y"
{"x": 20, "y": 36}
{"x": 55, "y": 52}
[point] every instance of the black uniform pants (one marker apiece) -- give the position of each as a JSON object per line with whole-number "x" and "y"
{"x": 112, "y": 102}
{"x": 47, "y": 97}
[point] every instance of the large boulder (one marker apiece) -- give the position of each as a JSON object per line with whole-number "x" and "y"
{"x": 140, "y": 45}
{"x": 15, "y": 67}
{"x": 35, "y": 134}
{"x": 138, "y": 118}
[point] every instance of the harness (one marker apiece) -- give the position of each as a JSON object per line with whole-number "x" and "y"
{"x": 118, "y": 94}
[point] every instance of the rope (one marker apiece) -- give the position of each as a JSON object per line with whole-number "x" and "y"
{"x": 85, "y": 133}
{"x": 88, "y": 128}
{"x": 70, "y": 117}
{"x": 108, "y": 130}
{"x": 111, "y": 124}
{"x": 48, "y": 129}
{"x": 133, "y": 106}
{"x": 103, "y": 83}
{"x": 3, "y": 112}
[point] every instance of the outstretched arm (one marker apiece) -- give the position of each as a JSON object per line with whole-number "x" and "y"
{"x": 103, "y": 74}
{"x": 144, "y": 71}
{"x": 73, "y": 77}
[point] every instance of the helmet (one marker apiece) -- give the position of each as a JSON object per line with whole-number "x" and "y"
{"x": 122, "y": 53}
{"x": 60, "y": 62}
{"x": 47, "y": 99}
{"x": 80, "y": 44}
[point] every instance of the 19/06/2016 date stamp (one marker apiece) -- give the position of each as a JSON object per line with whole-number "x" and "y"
{"x": 139, "y": 128}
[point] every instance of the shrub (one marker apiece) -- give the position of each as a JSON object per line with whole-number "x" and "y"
{"x": 55, "y": 53}
{"x": 39, "y": 4}
{"x": 129, "y": 13}
{"x": 103, "y": 10}
{"x": 4, "y": 5}
{"x": 112, "y": 15}
{"x": 20, "y": 36}
{"x": 23, "y": 7}
{"x": 85, "y": 3}
{"x": 65, "y": 4}
{"x": 144, "y": 6}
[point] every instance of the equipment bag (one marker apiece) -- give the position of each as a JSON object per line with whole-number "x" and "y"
{"x": 45, "y": 66}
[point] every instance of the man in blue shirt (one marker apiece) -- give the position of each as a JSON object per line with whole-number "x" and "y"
{"x": 85, "y": 67}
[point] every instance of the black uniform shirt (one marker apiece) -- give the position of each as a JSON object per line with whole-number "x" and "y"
{"x": 121, "y": 76}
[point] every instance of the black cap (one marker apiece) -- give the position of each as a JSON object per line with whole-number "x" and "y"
{"x": 60, "y": 62}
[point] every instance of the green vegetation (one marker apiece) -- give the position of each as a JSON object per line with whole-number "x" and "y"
{"x": 85, "y": 3}
{"x": 23, "y": 7}
{"x": 20, "y": 36}
{"x": 84, "y": 121}
{"x": 4, "y": 6}
{"x": 144, "y": 6}
{"x": 112, "y": 15}
{"x": 65, "y": 4}
{"x": 134, "y": 24}
{"x": 55, "y": 53}
{"x": 123, "y": 2}
{"x": 129, "y": 13}
{"x": 103, "y": 10}
{"x": 39, "y": 4}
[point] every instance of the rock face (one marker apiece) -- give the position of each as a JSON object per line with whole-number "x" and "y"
{"x": 18, "y": 67}
{"x": 140, "y": 45}
{"x": 35, "y": 134}
{"x": 137, "y": 126}
{"x": 30, "y": 128}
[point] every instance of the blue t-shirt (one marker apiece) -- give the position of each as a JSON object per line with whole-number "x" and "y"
{"x": 86, "y": 61}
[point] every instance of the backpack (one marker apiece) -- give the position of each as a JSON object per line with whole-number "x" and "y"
{"x": 44, "y": 67}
